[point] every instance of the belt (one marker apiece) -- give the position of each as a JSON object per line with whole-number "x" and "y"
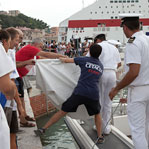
{"x": 138, "y": 85}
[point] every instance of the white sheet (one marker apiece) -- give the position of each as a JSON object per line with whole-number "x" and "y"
{"x": 57, "y": 80}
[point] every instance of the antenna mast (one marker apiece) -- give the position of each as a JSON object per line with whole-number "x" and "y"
{"x": 82, "y": 4}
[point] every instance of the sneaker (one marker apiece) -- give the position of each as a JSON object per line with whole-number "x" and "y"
{"x": 39, "y": 131}
{"x": 101, "y": 140}
{"x": 94, "y": 127}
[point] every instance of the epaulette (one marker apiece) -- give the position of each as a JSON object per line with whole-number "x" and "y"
{"x": 131, "y": 39}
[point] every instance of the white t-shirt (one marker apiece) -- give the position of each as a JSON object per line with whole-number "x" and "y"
{"x": 138, "y": 53}
{"x": 5, "y": 63}
{"x": 110, "y": 56}
{"x": 13, "y": 75}
{"x": 11, "y": 53}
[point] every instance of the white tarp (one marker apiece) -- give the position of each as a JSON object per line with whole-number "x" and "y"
{"x": 57, "y": 80}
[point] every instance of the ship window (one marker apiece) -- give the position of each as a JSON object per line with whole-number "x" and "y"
{"x": 115, "y": 17}
{"x": 90, "y": 12}
{"x": 111, "y": 6}
{"x": 124, "y": 1}
{"x": 120, "y": 1}
{"x": 107, "y": 11}
{"x": 105, "y": 6}
{"x": 116, "y": 6}
{"x": 95, "y": 29}
{"x": 111, "y": 17}
{"x": 108, "y": 28}
{"x": 103, "y": 29}
{"x": 137, "y": 1}
{"x": 132, "y": 1}
{"x": 129, "y": 11}
{"x": 99, "y": 6}
{"x": 95, "y": 12}
{"x": 115, "y": 1}
{"x": 111, "y": 1}
{"x": 128, "y": 1}
{"x": 112, "y": 11}
{"x": 139, "y": 6}
{"x": 127, "y": 6}
{"x": 102, "y": 12}
{"x": 133, "y": 11}
{"x": 139, "y": 11}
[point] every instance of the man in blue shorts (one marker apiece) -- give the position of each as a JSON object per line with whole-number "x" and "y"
{"x": 86, "y": 92}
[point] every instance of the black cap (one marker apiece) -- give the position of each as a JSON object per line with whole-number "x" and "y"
{"x": 100, "y": 36}
{"x": 128, "y": 18}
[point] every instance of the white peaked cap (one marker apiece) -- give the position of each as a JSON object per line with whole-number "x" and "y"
{"x": 114, "y": 42}
{"x": 129, "y": 15}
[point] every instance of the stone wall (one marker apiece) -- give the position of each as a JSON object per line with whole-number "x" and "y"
{"x": 38, "y": 99}
{"x": 38, "y": 104}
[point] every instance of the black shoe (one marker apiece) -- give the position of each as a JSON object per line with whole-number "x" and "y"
{"x": 39, "y": 131}
{"x": 20, "y": 131}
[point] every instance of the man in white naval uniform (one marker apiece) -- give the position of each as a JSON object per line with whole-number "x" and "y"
{"x": 137, "y": 80}
{"x": 110, "y": 58}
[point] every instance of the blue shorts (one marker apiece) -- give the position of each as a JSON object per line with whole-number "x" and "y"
{"x": 72, "y": 103}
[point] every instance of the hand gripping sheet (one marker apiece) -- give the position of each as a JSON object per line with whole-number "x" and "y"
{"x": 58, "y": 80}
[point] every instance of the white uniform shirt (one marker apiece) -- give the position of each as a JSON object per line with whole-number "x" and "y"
{"x": 110, "y": 56}
{"x": 138, "y": 53}
{"x": 5, "y": 68}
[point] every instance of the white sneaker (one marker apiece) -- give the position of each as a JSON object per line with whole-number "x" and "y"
{"x": 80, "y": 122}
{"x": 94, "y": 127}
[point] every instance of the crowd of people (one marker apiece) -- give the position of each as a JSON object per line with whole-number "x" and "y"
{"x": 71, "y": 49}
{"x": 96, "y": 86}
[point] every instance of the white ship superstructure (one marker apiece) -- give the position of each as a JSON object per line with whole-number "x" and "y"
{"x": 103, "y": 17}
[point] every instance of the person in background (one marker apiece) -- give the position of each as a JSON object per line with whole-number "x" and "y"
{"x": 137, "y": 80}
{"x": 7, "y": 87}
{"x": 20, "y": 39}
{"x": 86, "y": 92}
{"x": 53, "y": 47}
{"x": 26, "y": 82}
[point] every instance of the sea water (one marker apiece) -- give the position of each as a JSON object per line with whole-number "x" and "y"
{"x": 57, "y": 136}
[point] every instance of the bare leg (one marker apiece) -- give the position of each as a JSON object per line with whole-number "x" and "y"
{"x": 13, "y": 141}
{"x": 57, "y": 116}
{"x": 23, "y": 104}
{"x": 98, "y": 124}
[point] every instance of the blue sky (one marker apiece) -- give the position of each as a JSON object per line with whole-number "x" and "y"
{"x": 50, "y": 11}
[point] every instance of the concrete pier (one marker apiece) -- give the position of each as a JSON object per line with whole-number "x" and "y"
{"x": 27, "y": 138}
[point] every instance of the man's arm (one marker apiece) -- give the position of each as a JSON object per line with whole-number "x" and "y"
{"x": 24, "y": 63}
{"x": 67, "y": 60}
{"x": 51, "y": 55}
{"x": 7, "y": 87}
{"x": 128, "y": 78}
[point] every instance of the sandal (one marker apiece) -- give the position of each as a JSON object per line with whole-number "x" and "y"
{"x": 101, "y": 140}
{"x": 28, "y": 118}
{"x": 27, "y": 124}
